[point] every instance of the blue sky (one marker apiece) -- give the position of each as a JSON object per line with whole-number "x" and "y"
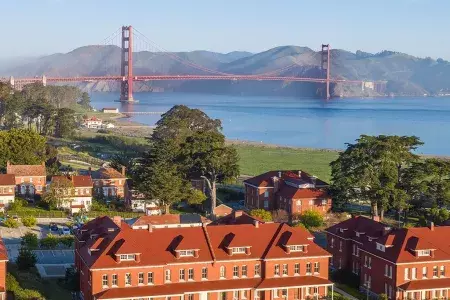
{"x": 418, "y": 27}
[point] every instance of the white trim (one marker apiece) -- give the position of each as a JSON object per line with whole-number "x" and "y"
{"x": 343, "y": 238}
{"x": 295, "y": 286}
{"x": 296, "y": 258}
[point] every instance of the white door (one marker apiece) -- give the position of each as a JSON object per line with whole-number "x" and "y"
{"x": 203, "y": 296}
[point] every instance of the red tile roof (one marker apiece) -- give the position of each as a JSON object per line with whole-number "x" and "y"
{"x": 7, "y": 179}
{"x": 3, "y": 251}
{"x": 290, "y": 192}
{"x": 426, "y": 284}
{"x": 359, "y": 224}
{"x": 169, "y": 219}
{"x": 26, "y": 170}
{"x": 107, "y": 173}
{"x": 77, "y": 181}
{"x": 236, "y": 218}
{"x": 77, "y": 206}
{"x": 265, "y": 179}
{"x": 157, "y": 247}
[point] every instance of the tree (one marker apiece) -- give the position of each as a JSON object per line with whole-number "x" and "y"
{"x": 85, "y": 101}
{"x": 65, "y": 122}
{"x": 72, "y": 279}
{"x": 29, "y": 221}
{"x": 196, "y": 197}
{"x": 204, "y": 154}
{"x": 160, "y": 180}
{"x": 371, "y": 170}
{"x": 26, "y": 259}
{"x": 261, "y": 214}
{"x": 311, "y": 219}
{"x": 30, "y": 240}
{"x": 20, "y": 293}
{"x": 11, "y": 223}
{"x": 60, "y": 191}
{"x": 21, "y": 146}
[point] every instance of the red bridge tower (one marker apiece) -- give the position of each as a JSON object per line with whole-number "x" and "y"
{"x": 326, "y": 68}
{"x": 126, "y": 69}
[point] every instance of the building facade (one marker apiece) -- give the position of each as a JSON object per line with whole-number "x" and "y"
{"x": 30, "y": 179}
{"x": 7, "y": 190}
{"x": 404, "y": 263}
{"x": 94, "y": 123}
{"x": 110, "y": 183}
{"x": 3, "y": 269}
{"x": 293, "y": 191}
{"x": 247, "y": 261}
{"x": 76, "y": 191}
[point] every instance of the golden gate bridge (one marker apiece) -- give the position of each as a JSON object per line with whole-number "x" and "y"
{"x": 126, "y": 77}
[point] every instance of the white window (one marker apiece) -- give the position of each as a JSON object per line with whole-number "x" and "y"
{"x": 332, "y": 242}
{"x": 114, "y": 280}
{"x": 297, "y": 269}
{"x": 266, "y": 204}
{"x": 235, "y": 295}
{"x": 308, "y": 268}
{"x": 257, "y": 294}
{"x": 414, "y": 273}
{"x": 354, "y": 249}
{"x": 296, "y": 248}
{"x": 299, "y": 202}
{"x": 141, "y": 278}
{"x": 167, "y": 277}
{"x": 205, "y": 273}
{"x": 406, "y": 274}
{"x": 222, "y": 272}
{"x": 191, "y": 274}
{"x": 244, "y": 294}
{"x": 257, "y": 270}
{"x": 311, "y": 202}
{"x": 182, "y": 275}
{"x": 244, "y": 271}
{"x": 316, "y": 267}
{"x": 236, "y": 250}
{"x": 424, "y": 272}
{"x": 424, "y": 253}
{"x": 105, "y": 280}
{"x": 285, "y": 269}
{"x": 127, "y": 257}
{"x": 435, "y": 271}
{"x": 266, "y": 194}
{"x": 31, "y": 179}
{"x": 276, "y": 270}
{"x": 236, "y": 271}
{"x": 184, "y": 253}
{"x": 127, "y": 279}
{"x": 150, "y": 278}
{"x": 340, "y": 246}
{"x": 442, "y": 271}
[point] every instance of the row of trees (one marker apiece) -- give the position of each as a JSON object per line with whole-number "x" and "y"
{"x": 48, "y": 110}
{"x": 185, "y": 144}
{"x": 385, "y": 172}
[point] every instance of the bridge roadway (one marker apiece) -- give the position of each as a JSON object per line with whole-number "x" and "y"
{"x": 178, "y": 77}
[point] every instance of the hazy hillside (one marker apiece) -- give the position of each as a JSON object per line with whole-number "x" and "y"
{"x": 405, "y": 74}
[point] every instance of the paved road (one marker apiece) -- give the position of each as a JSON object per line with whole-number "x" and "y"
{"x": 44, "y": 256}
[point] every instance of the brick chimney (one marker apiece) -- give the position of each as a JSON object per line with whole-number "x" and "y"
{"x": 117, "y": 220}
{"x": 237, "y": 214}
{"x": 150, "y": 228}
{"x": 256, "y": 223}
{"x": 123, "y": 170}
{"x": 376, "y": 218}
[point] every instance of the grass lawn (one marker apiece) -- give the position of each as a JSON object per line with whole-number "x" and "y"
{"x": 51, "y": 289}
{"x": 351, "y": 291}
{"x": 255, "y": 160}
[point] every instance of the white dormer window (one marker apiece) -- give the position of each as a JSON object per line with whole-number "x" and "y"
{"x": 238, "y": 250}
{"x": 127, "y": 257}
{"x": 424, "y": 253}
{"x": 324, "y": 201}
{"x": 381, "y": 247}
{"x": 186, "y": 253}
{"x": 297, "y": 248}
{"x": 342, "y": 230}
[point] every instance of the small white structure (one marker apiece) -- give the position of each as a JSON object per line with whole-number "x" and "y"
{"x": 93, "y": 122}
{"x": 78, "y": 193}
{"x": 110, "y": 110}
{"x": 108, "y": 125}
{"x": 169, "y": 221}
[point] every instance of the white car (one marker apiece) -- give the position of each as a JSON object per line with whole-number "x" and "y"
{"x": 65, "y": 230}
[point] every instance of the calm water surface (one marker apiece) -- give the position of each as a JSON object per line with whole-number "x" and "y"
{"x": 306, "y": 122}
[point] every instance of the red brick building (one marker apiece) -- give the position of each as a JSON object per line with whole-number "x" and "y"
{"x": 3, "y": 261}
{"x": 293, "y": 191}
{"x": 405, "y": 263}
{"x": 77, "y": 189}
{"x": 30, "y": 179}
{"x": 110, "y": 183}
{"x": 247, "y": 261}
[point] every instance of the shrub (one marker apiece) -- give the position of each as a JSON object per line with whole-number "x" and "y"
{"x": 11, "y": 223}
{"x": 26, "y": 259}
{"x": 29, "y": 221}
{"x": 299, "y": 224}
{"x": 262, "y": 214}
{"x": 98, "y": 206}
{"x": 30, "y": 240}
{"x": 311, "y": 219}
{"x": 439, "y": 215}
{"x": 383, "y": 297}
{"x": 50, "y": 241}
{"x": 72, "y": 279}
{"x": 20, "y": 293}
{"x": 67, "y": 240}
{"x": 18, "y": 204}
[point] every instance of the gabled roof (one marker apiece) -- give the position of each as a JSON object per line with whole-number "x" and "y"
{"x": 7, "y": 179}
{"x": 77, "y": 180}
{"x": 237, "y": 217}
{"x": 157, "y": 247}
{"x": 359, "y": 224}
{"x": 107, "y": 173}
{"x": 265, "y": 179}
{"x": 26, "y": 170}
{"x": 290, "y": 192}
{"x": 169, "y": 219}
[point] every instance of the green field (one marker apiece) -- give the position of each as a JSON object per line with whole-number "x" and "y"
{"x": 255, "y": 160}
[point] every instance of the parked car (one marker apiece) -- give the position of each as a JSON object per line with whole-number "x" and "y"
{"x": 65, "y": 230}
{"x": 53, "y": 227}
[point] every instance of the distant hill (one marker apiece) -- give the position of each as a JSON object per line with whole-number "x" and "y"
{"x": 405, "y": 74}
